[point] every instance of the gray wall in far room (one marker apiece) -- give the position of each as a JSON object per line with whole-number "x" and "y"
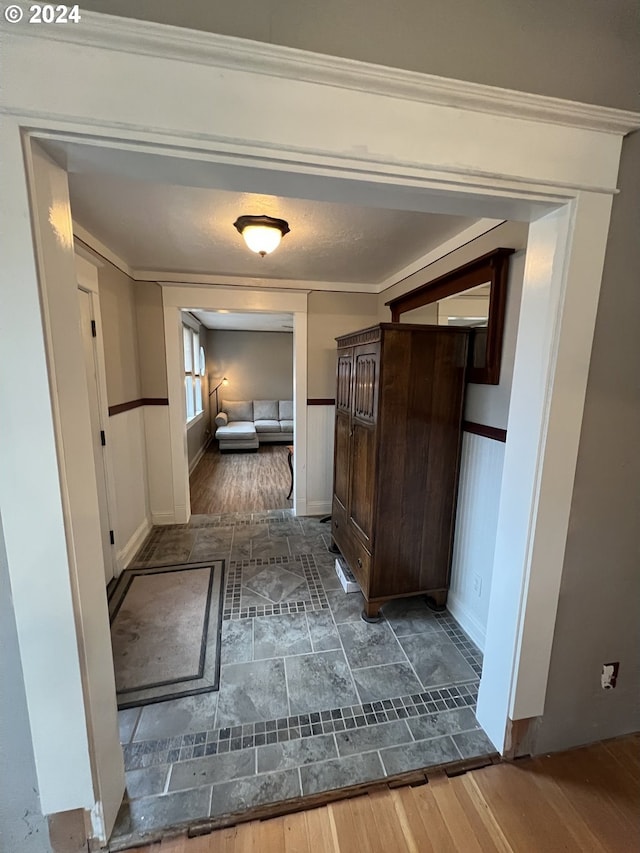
{"x": 259, "y": 365}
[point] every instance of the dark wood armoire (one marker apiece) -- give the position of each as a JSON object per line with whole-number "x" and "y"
{"x": 399, "y": 401}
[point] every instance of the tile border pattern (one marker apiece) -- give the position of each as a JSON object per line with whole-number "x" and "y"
{"x": 467, "y": 648}
{"x": 233, "y": 590}
{"x": 216, "y": 741}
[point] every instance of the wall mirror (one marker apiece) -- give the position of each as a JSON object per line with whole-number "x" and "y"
{"x": 473, "y": 295}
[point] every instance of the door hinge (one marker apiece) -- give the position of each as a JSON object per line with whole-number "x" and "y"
{"x": 112, "y": 538}
{"x": 103, "y": 438}
{"x": 93, "y": 329}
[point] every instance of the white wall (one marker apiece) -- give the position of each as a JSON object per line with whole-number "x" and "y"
{"x": 128, "y": 454}
{"x": 475, "y": 535}
{"x": 320, "y": 427}
{"x": 158, "y": 467}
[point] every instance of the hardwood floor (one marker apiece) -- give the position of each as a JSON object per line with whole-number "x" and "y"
{"x": 241, "y": 481}
{"x": 586, "y": 800}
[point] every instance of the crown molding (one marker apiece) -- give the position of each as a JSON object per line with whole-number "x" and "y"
{"x": 478, "y": 229}
{"x": 177, "y": 43}
{"x": 99, "y": 248}
{"x": 177, "y": 279}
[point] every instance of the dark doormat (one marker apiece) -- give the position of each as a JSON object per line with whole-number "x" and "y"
{"x": 165, "y": 632}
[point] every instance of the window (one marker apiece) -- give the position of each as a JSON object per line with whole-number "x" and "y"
{"x": 193, "y": 371}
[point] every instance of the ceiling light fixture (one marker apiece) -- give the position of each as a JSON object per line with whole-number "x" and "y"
{"x": 262, "y": 234}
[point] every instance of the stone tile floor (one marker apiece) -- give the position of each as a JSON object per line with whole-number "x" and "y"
{"x": 311, "y": 698}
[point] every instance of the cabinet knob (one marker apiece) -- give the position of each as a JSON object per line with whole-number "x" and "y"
{"x": 359, "y": 563}
{"x": 335, "y": 524}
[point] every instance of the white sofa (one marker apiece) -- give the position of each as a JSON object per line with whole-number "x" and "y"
{"x": 246, "y": 424}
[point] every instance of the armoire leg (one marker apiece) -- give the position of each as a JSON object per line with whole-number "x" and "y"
{"x": 437, "y": 600}
{"x": 371, "y": 612}
{"x": 333, "y": 547}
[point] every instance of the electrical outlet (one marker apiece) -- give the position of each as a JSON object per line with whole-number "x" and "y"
{"x": 609, "y": 675}
{"x": 477, "y": 585}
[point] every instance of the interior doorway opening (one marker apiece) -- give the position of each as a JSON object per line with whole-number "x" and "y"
{"x": 241, "y": 448}
{"x": 320, "y": 627}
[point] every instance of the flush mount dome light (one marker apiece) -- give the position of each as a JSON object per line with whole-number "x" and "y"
{"x": 262, "y": 234}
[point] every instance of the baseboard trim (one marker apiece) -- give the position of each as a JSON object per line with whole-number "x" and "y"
{"x": 199, "y": 455}
{"x": 126, "y": 554}
{"x": 163, "y": 518}
{"x": 318, "y": 507}
{"x": 467, "y": 621}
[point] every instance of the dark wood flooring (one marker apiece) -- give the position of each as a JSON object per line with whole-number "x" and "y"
{"x": 583, "y": 801}
{"x": 241, "y": 481}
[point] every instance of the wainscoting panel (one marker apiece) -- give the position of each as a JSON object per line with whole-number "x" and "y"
{"x": 320, "y": 424}
{"x": 475, "y": 535}
{"x": 160, "y": 477}
{"x": 127, "y": 437}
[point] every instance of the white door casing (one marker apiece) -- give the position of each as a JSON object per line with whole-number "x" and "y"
{"x": 175, "y": 299}
{"x": 461, "y": 145}
{"x": 72, "y": 708}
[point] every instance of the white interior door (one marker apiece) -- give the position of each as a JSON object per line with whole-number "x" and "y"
{"x": 87, "y": 325}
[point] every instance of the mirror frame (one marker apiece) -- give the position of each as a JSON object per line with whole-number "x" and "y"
{"x": 492, "y": 268}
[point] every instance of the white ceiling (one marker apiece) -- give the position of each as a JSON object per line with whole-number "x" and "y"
{"x": 156, "y": 226}
{"x": 250, "y": 322}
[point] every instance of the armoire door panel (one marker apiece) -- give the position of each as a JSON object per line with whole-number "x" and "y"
{"x": 362, "y": 480}
{"x": 343, "y": 384}
{"x": 342, "y": 454}
{"x": 365, "y": 382}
